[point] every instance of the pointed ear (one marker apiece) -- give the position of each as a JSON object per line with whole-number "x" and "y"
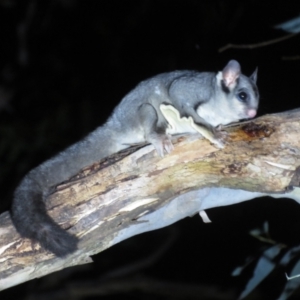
{"x": 231, "y": 73}
{"x": 253, "y": 77}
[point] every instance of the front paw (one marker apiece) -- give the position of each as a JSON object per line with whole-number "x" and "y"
{"x": 220, "y": 136}
{"x": 162, "y": 143}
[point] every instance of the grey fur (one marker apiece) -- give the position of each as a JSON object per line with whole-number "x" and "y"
{"x": 207, "y": 97}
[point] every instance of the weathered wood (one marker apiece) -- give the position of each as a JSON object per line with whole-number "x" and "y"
{"x": 136, "y": 191}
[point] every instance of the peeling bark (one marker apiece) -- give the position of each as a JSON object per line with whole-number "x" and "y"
{"x": 136, "y": 191}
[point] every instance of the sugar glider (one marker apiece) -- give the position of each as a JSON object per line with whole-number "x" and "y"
{"x": 210, "y": 99}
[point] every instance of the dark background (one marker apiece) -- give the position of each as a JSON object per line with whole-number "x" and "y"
{"x": 65, "y": 64}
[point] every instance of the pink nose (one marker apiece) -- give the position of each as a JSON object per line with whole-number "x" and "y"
{"x": 251, "y": 113}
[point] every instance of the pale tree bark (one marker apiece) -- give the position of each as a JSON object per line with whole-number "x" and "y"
{"x": 137, "y": 191}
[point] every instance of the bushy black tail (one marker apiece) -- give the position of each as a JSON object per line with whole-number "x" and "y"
{"x": 32, "y": 221}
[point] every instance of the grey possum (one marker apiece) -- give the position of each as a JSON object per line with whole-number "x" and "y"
{"x": 211, "y": 99}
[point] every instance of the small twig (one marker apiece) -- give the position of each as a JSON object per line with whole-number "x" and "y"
{"x": 295, "y": 57}
{"x": 148, "y": 286}
{"x": 258, "y": 45}
{"x": 291, "y": 278}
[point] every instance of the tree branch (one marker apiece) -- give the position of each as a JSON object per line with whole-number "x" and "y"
{"x": 136, "y": 191}
{"x": 258, "y": 45}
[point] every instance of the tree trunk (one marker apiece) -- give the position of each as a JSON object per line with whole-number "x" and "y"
{"x": 136, "y": 191}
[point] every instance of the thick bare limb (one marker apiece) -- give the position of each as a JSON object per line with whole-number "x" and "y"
{"x": 137, "y": 191}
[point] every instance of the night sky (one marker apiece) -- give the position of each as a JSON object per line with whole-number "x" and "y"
{"x": 65, "y": 64}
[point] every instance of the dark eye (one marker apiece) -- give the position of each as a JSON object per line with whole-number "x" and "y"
{"x": 243, "y": 96}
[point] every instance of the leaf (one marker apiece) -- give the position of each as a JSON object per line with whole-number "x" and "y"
{"x": 290, "y": 26}
{"x": 289, "y": 255}
{"x": 292, "y": 284}
{"x": 264, "y": 267}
